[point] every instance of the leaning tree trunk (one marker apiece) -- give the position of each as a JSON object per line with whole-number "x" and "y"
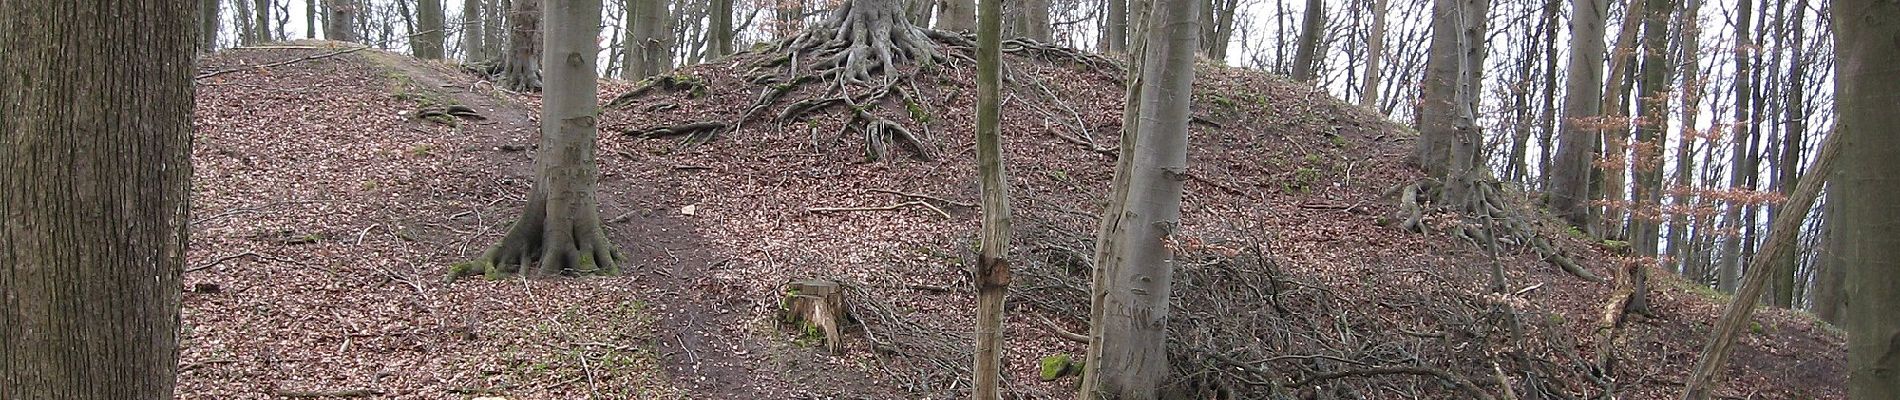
{"x": 429, "y": 20}
{"x": 560, "y": 230}
{"x": 1309, "y": 40}
{"x": 521, "y": 67}
{"x": 95, "y": 173}
{"x": 1375, "y": 54}
{"x": 992, "y": 267}
{"x": 1870, "y": 185}
{"x": 1128, "y": 354}
{"x": 1569, "y": 186}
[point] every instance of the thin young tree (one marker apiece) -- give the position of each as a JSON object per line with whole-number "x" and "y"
{"x": 1864, "y": 87}
{"x": 94, "y": 186}
{"x": 992, "y": 266}
{"x": 1569, "y": 187}
{"x": 560, "y": 231}
{"x": 1729, "y": 270}
{"x": 1794, "y": 130}
{"x": 1127, "y": 356}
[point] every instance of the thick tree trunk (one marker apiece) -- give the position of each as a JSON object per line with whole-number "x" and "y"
{"x": 473, "y": 32}
{"x": 495, "y": 28}
{"x": 992, "y": 267}
{"x": 1829, "y": 302}
{"x": 956, "y": 15}
{"x": 521, "y": 67}
{"x": 1781, "y": 238}
{"x": 719, "y": 29}
{"x": 341, "y": 22}
{"x": 428, "y": 42}
{"x": 1869, "y": 173}
{"x": 1445, "y": 122}
{"x": 1375, "y": 55}
{"x": 94, "y": 191}
{"x": 1127, "y": 355}
{"x": 1029, "y": 19}
{"x": 208, "y": 24}
{"x": 560, "y": 227}
{"x": 263, "y": 14}
{"x": 1569, "y": 187}
{"x": 1114, "y": 38}
{"x": 649, "y": 39}
{"x": 1107, "y": 235}
{"x": 1310, "y": 30}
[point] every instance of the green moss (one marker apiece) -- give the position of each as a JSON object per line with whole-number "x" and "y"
{"x": 1058, "y": 366}
{"x": 421, "y": 150}
{"x": 1616, "y": 245}
{"x": 917, "y": 112}
{"x": 1224, "y": 102}
{"x": 1340, "y": 141}
{"x": 1757, "y": 328}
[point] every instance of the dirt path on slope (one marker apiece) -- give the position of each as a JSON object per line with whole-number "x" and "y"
{"x": 700, "y": 336}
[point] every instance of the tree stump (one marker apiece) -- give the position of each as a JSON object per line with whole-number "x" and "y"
{"x": 816, "y": 307}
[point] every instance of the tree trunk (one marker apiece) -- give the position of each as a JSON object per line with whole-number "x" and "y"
{"x": 341, "y": 25}
{"x": 246, "y": 33}
{"x": 521, "y": 67}
{"x": 1445, "y": 121}
{"x": 1688, "y": 31}
{"x": 1548, "y": 122}
{"x": 495, "y": 28}
{"x": 472, "y": 32}
{"x": 1865, "y": 56}
{"x": 1782, "y": 293}
{"x": 208, "y": 20}
{"x": 309, "y": 19}
{"x": 94, "y": 195}
{"x": 649, "y": 39}
{"x": 1614, "y": 164}
{"x": 956, "y": 15}
{"x": 1127, "y": 355}
{"x": 263, "y": 14}
{"x": 1375, "y": 54}
{"x": 1829, "y": 297}
{"x": 719, "y": 35}
{"x": 1730, "y": 269}
{"x": 1107, "y": 236}
{"x": 1029, "y": 19}
{"x": 992, "y": 267}
{"x": 1310, "y": 31}
{"x": 1114, "y": 38}
{"x": 560, "y": 226}
{"x": 429, "y": 21}
{"x": 1217, "y": 28}
{"x": 1569, "y": 187}
{"x": 1781, "y": 238}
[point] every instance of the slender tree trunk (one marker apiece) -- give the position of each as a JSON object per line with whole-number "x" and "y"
{"x": 1548, "y": 123}
{"x": 1128, "y": 355}
{"x": 1646, "y": 162}
{"x": 495, "y": 23}
{"x": 957, "y": 15}
{"x": 208, "y": 20}
{"x": 1310, "y": 31}
{"x": 1615, "y": 126}
{"x": 1691, "y": 85}
{"x": 263, "y": 14}
{"x": 1570, "y": 176}
{"x": 246, "y": 26}
{"x": 473, "y": 32}
{"x": 719, "y": 29}
{"x": 1114, "y": 37}
{"x": 94, "y": 195}
{"x": 1729, "y": 271}
{"x": 1781, "y": 238}
{"x": 521, "y": 67}
{"x": 1375, "y": 54}
{"x": 1829, "y": 297}
{"x": 992, "y": 269}
{"x": 309, "y": 19}
{"x": 1864, "y": 86}
{"x": 428, "y": 42}
{"x": 1795, "y": 128}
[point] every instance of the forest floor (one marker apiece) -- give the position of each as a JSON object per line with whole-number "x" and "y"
{"x": 326, "y": 213}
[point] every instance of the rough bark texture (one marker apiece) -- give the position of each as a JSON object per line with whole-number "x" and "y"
{"x": 1310, "y": 31}
{"x": 94, "y": 188}
{"x": 1781, "y": 238}
{"x": 1569, "y": 187}
{"x": 956, "y": 15}
{"x": 428, "y": 42}
{"x": 1127, "y": 354}
{"x": 992, "y": 267}
{"x": 560, "y": 227}
{"x": 521, "y": 67}
{"x": 1869, "y": 175}
{"x": 1375, "y": 54}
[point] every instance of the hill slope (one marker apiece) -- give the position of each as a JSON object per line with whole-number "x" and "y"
{"x": 335, "y": 213}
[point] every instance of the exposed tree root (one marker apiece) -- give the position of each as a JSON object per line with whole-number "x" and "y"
{"x": 554, "y": 248}
{"x": 1486, "y": 200}
{"x": 694, "y": 87}
{"x": 693, "y": 131}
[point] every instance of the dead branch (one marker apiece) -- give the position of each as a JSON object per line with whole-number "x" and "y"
{"x": 925, "y": 196}
{"x": 1050, "y": 325}
{"x": 1455, "y": 380}
{"x": 892, "y": 207}
{"x": 279, "y": 63}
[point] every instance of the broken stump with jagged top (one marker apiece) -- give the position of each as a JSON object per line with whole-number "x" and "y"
{"x": 816, "y": 307}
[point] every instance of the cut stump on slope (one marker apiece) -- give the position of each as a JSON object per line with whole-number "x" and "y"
{"x": 816, "y": 307}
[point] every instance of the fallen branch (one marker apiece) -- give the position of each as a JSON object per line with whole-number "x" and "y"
{"x": 925, "y": 196}
{"x": 221, "y": 260}
{"x": 329, "y": 393}
{"x": 892, "y": 207}
{"x": 1455, "y": 380}
{"x": 1054, "y": 329}
{"x": 280, "y": 63}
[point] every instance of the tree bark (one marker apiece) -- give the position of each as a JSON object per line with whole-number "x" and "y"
{"x": 1688, "y": 31}
{"x": 649, "y": 39}
{"x": 560, "y": 226}
{"x": 245, "y": 24}
{"x": 956, "y": 15}
{"x": 1782, "y": 292}
{"x": 1548, "y": 122}
{"x": 472, "y": 32}
{"x": 263, "y": 14}
{"x": 1569, "y": 188}
{"x": 1030, "y": 20}
{"x": 309, "y": 19}
{"x": 1864, "y": 86}
{"x": 429, "y": 20}
{"x": 1781, "y": 238}
{"x": 1217, "y": 28}
{"x": 1829, "y": 295}
{"x": 1114, "y": 37}
{"x": 1107, "y": 238}
{"x": 209, "y": 20}
{"x": 1652, "y": 119}
{"x": 1127, "y": 355}
{"x": 719, "y": 35}
{"x": 1310, "y": 31}
{"x": 1614, "y": 164}
{"x": 1728, "y": 272}
{"x": 94, "y": 195}
{"x": 521, "y": 67}
{"x": 341, "y": 24}
{"x": 992, "y": 267}
{"x": 1375, "y": 54}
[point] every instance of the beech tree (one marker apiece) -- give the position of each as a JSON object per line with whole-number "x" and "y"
{"x": 428, "y": 42}
{"x": 472, "y": 32}
{"x": 340, "y": 20}
{"x": 1310, "y": 31}
{"x": 1869, "y": 176}
{"x": 1375, "y": 54}
{"x": 955, "y": 15}
{"x": 719, "y": 29}
{"x": 649, "y": 39}
{"x": 560, "y": 232}
{"x": 1569, "y": 188}
{"x": 1127, "y": 356}
{"x": 521, "y": 66}
{"x": 94, "y": 185}
{"x": 992, "y": 267}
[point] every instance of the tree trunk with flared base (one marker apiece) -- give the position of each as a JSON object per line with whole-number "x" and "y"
{"x": 521, "y": 67}
{"x": 560, "y": 231}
